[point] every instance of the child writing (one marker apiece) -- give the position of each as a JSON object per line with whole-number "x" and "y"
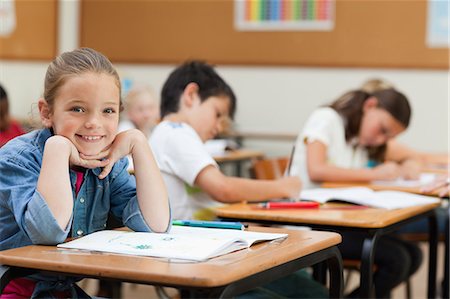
{"x": 9, "y": 128}
{"x": 141, "y": 109}
{"x": 62, "y": 181}
{"x": 194, "y": 102}
{"x": 338, "y": 143}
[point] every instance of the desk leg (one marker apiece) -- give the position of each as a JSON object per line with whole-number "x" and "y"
{"x": 9, "y": 273}
{"x": 336, "y": 274}
{"x": 446, "y": 284}
{"x": 433, "y": 242}
{"x": 367, "y": 257}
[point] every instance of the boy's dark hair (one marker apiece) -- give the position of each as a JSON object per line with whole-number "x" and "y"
{"x": 350, "y": 107}
{"x": 199, "y": 72}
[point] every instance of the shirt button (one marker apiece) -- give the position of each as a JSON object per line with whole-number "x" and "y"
{"x": 82, "y": 200}
{"x": 79, "y": 232}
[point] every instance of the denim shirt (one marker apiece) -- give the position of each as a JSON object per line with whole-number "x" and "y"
{"x": 25, "y": 217}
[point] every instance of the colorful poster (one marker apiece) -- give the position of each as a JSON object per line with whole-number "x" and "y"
{"x": 438, "y": 24}
{"x": 284, "y": 15}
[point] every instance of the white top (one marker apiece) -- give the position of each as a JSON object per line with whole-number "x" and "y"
{"x": 125, "y": 125}
{"x": 181, "y": 155}
{"x": 326, "y": 126}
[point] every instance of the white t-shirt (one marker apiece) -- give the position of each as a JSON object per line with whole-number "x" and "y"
{"x": 181, "y": 155}
{"x": 125, "y": 125}
{"x": 327, "y": 126}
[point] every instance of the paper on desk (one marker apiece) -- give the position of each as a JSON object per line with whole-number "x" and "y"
{"x": 424, "y": 179}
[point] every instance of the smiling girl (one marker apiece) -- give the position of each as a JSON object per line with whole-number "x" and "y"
{"x": 64, "y": 180}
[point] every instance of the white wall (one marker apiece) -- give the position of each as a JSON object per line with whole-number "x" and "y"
{"x": 270, "y": 99}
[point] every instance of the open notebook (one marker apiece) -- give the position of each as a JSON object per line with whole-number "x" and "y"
{"x": 185, "y": 243}
{"x": 368, "y": 197}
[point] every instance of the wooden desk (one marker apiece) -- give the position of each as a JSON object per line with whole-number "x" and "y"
{"x": 223, "y": 276}
{"x": 238, "y": 157}
{"x": 373, "y": 222}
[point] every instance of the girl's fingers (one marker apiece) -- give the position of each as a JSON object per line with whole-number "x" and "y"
{"x": 95, "y": 163}
{"x": 99, "y": 156}
{"x": 106, "y": 170}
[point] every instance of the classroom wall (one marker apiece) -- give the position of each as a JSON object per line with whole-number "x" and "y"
{"x": 270, "y": 99}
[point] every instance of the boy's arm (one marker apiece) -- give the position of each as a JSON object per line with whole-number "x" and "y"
{"x": 320, "y": 170}
{"x": 233, "y": 189}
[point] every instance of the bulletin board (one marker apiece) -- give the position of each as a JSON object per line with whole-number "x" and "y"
{"x": 366, "y": 33}
{"x": 35, "y": 33}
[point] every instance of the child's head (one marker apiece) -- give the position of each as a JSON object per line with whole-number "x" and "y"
{"x": 375, "y": 84}
{"x": 142, "y": 107}
{"x": 82, "y": 99}
{"x": 195, "y": 91}
{"x": 4, "y": 109}
{"x": 376, "y": 118}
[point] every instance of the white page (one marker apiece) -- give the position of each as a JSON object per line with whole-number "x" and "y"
{"x": 183, "y": 243}
{"x": 424, "y": 179}
{"x": 365, "y": 196}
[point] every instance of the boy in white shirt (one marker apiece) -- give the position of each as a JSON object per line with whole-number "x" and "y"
{"x": 194, "y": 102}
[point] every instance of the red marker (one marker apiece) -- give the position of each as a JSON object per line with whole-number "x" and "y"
{"x": 290, "y": 205}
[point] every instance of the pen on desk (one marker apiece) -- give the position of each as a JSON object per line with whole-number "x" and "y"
{"x": 209, "y": 224}
{"x": 290, "y": 205}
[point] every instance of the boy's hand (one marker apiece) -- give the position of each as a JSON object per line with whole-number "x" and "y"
{"x": 292, "y": 185}
{"x": 410, "y": 170}
{"x": 387, "y": 171}
{"x": 122, "y": 146}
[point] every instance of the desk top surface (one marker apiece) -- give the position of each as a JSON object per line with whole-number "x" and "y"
{"x": 238, "y": 155}
{"x": 330, "y": 214}
{"x": 218, "y": 271}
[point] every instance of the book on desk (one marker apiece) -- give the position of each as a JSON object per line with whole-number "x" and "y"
{"x": 183, "y": 243}
{"x": 365, "y": 196}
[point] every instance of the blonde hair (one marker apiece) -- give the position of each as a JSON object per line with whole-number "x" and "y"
{"x": 73, "y": 63}
{"x": 136, "y": 91}
{"x": 376, "y": 84}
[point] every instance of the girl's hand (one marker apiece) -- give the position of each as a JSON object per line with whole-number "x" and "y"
{"x": 442, "y": 185}
{"x": 410, "y": 170}
{"x": 292, "y": 185}
{"x": 387, "y": 171}
{"x": 65, "y": 145}
{"x": 122, "y": 146}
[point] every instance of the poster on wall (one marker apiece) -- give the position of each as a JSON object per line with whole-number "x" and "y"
{"x": 284, "y": 15}
{"x": 7, "y": 18}
{"x": 438, "y": 24}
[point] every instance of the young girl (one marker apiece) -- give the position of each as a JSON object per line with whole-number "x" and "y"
{"x": 62, "y": 181}
{"x": 346, "y": 141}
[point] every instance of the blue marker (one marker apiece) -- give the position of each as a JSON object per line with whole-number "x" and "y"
{"x": 209, "y": 224}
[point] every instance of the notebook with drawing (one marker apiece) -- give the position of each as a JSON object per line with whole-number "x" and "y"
{"x": 185, "y": 243}
{"x": 365, "y": 196}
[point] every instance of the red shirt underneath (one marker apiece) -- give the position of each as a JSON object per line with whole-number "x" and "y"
{"x": 11, "y": 132}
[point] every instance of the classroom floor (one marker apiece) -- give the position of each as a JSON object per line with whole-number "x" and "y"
{"x": 418, "y": 282}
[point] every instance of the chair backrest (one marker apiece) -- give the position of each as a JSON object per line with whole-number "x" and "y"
{"x": 269, "y": 169}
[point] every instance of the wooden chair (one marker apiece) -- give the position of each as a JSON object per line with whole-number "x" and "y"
{"x": 269, "y": 169}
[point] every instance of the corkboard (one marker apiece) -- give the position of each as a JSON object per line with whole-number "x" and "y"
{"x": 369, "y": 33}
{"x": 35, "y": 35}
